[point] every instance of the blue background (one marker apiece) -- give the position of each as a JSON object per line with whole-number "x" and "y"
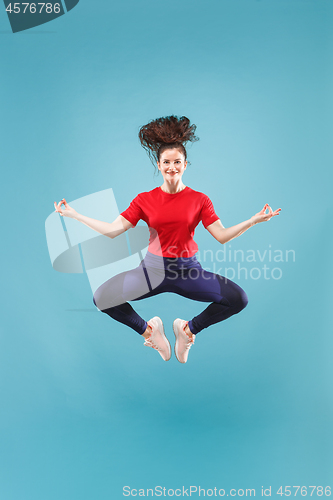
{"x": 85, "y": 409}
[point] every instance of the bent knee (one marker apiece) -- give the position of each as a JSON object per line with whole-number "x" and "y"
{"x": 99, "y": 299}
{"x": 95, "y": 300}
{"x": 242, "y": 301}
{"x": 106, "y": 298}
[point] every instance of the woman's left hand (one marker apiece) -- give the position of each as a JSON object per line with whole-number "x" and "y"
{"x": 262, "y": 216}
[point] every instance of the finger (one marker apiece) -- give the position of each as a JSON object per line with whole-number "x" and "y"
{"x": 58, "y": 209}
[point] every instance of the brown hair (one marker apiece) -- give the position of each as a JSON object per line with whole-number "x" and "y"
{"x": 166, "y": 133}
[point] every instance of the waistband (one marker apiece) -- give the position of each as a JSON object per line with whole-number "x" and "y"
{"x": 152, "y": 260}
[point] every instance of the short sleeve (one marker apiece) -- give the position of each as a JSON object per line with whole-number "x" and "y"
{"x": 134, "y": 212}
{"x": 208, "y": 215}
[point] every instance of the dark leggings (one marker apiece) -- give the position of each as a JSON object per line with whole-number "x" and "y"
{"x": 183, "y": 276}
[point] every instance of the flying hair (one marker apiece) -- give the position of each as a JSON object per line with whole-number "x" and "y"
{"x": 165, "y": 133}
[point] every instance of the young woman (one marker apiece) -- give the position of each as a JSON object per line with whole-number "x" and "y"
{"x": 172, "y": 212}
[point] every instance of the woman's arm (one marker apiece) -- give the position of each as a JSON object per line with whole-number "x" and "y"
{"x": 110, "y": 229}
{"x": 225, "y": 234}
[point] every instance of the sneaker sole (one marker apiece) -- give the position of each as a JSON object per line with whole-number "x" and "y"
{"x": 174, "y": 331}
{"x": 161, "y": 327}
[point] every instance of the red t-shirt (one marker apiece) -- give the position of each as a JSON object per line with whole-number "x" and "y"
{"x": 172, "y": 219}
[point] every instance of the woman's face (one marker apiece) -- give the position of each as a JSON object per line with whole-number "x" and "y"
{"x": 172, "y": 165}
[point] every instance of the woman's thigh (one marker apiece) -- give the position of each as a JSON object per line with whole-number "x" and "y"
{"x": 124, "y": 287}
{"x": 204, "y": 286}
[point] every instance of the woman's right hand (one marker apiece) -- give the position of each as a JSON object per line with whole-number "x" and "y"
{"x": 262, "y": 216}
{"x": 67, "y": 211}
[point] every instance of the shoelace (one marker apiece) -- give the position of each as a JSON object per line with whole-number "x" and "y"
{"x": 190, "y": 341}
{"x": 149, "y": 343}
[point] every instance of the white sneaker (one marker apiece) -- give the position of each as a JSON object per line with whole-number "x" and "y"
{"x": 183, "y": 341}
{"x": 157, "y": 339}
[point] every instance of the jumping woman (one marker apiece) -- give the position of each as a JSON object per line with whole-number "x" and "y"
{"x": 172, "y": 212}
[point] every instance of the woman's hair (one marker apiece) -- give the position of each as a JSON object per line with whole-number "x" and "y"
{"x": 166, "y": 133}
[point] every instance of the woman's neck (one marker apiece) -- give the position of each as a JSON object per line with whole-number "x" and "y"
{"x": 173, "y": 188}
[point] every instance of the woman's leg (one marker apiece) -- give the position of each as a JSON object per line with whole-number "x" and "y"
{"x": 226, "y": 296}
{"x": 136, "y": 284}
{"x": 112, "y": 296}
